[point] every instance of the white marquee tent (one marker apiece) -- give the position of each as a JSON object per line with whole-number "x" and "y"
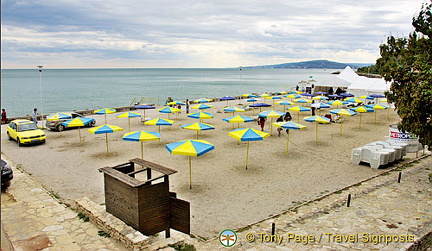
{"x": 354, "y": 83}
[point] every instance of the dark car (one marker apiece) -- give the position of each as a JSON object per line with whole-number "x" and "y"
{"x": 6, "y": 175}
{"x": 57, "y": 124}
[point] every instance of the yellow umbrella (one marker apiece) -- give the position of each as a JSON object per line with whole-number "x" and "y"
{"x": 128, "y": 115}
{"x": 141, "y": 136}
{"x": 298, "y": 109}
{"x": 248, "y": 134}
{"x": 190, "y": 148}
{"x": 105, "y": 129}
{"x": 342, "y": 112}
{"x": 105, "y": 111}
{"x": 289, "y": 126}
{"x": 317, "y": 120}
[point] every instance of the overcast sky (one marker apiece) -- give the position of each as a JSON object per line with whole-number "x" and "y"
{"x": 189, "y": 33}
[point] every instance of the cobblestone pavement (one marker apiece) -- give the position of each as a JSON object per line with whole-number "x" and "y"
{"x": 383, "y": 215}
{"x": 28, "y": 211}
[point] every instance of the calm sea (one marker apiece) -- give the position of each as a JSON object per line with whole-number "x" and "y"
{"x": 79, "y": 89}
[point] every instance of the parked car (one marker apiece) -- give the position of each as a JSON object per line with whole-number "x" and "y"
{"x": 56, "y": 125}
{"x": 25, "y": 132}
{"x": 6, "y": 175}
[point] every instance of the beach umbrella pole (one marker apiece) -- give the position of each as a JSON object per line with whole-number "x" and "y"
{"x": 105, "y": 118}
{"x": 340, "y": 133}
{"x": 360, "y": 121}
{"x": 247, "y": 154}
{"x": 129, "y": 123}
{"x": 79, "y": 133}
{"x": 142, "y": 150}
{"x": 106, "y": 140}
{"x": 190, "y": 173}
{"x": 288, "y": 136}
{"x": 197, "y": 134}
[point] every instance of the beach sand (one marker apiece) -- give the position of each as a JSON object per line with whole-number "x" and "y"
{"x": 224, "y": 194}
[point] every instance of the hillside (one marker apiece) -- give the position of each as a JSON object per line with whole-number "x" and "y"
{"x": 313, "y": 64}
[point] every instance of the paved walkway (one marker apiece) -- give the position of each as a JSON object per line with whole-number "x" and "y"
{"x": 33, "y": 219}
{"x": 383, "y": 215}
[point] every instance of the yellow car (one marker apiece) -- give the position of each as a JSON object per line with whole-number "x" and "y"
{"x": 25, "y": 132}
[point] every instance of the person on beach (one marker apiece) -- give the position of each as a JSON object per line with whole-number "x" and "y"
{"x": 187, "y": 106}
{"x": 261, "y": 122}
{"x": 3, "y": 117}
{"x": 169, "y": 100}
{"x": 313, "y": 108}
{"x": 179, "y": 107}
{"x": 280, "y": 119}
{"x": 34, "y": 116}
{"x": 287, "y": 118}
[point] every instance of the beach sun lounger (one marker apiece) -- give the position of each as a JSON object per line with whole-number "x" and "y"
{"x": 401, "y": 144}
{"x": 386, "y": 145}
{"x": 369, "y": 154}
{"x": 392, "y": 152}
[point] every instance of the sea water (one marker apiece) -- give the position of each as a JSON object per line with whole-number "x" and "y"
{"x": 62, "y": 90}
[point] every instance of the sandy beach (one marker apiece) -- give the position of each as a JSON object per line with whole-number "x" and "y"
{"x": 224, "y": 193}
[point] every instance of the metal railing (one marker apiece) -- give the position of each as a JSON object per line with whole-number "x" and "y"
{"x": 146, "y": 100}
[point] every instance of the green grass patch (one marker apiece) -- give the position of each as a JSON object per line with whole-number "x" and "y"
{"x": 181, "y": 246}
{"x": 103, "y": 234}
{"x": 83, "y": 217}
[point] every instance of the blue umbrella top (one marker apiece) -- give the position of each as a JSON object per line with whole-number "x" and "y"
{"x": 345, "y": 94}
{"x": 252, "y": 100}
{"x": 307, "y": 94}
{"x": 319, "y": 93}
{"x": 260, "y": 105}
{"x": 227, "y": 98}
{"x": 377, "y": 96}
{"x": 144, "y": 107}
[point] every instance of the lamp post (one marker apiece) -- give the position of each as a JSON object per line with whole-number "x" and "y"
{"x": 41, "y": 97}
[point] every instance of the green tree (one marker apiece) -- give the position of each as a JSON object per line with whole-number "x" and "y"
{"x": 407, "y": 63}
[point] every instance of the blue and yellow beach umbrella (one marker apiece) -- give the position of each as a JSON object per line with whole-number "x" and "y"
{"x": 141, "y": 136}
{"x": 190, "y": 148}
{"x": 200, "y": 115}
{"x": 271, "y": 114}
{"x": 78, "y": 122}
{"x": 58, "y": 116}
{"x": 248, "y": 134}
{"x": 238, "y": 119}
{"x": 376, "y": 107}
{"x": 176, "y": 103}
{"x": 342, "y": 112}
{"x": 317, "y": 120}
{"x": 353, "y": 100}
{"x": 233, "y": 109}
{"x": 202, "y": 106}
{"x": 289, "y": 126}
{"x": 284, "y": 103}
{"x": 105, "y": 129}
{"x": 298, "y": 109}
{"x": 169, "y": 110}
{"x": 202, "y": 100}
{"x": 198, "y": 126}
{"x": 159, "y": 122}
{"x": 104, "y": 111}
{"x": 129, "y": 115}
{"x": 361, "y": 109}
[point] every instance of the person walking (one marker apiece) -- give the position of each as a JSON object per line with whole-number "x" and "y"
{"x": 261, "y": 122}
{"x": 34, "y": 116}
{"x": 3, "y": 117}
{"x": 187, "y": 106}
{"x": 280, "y": 119}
